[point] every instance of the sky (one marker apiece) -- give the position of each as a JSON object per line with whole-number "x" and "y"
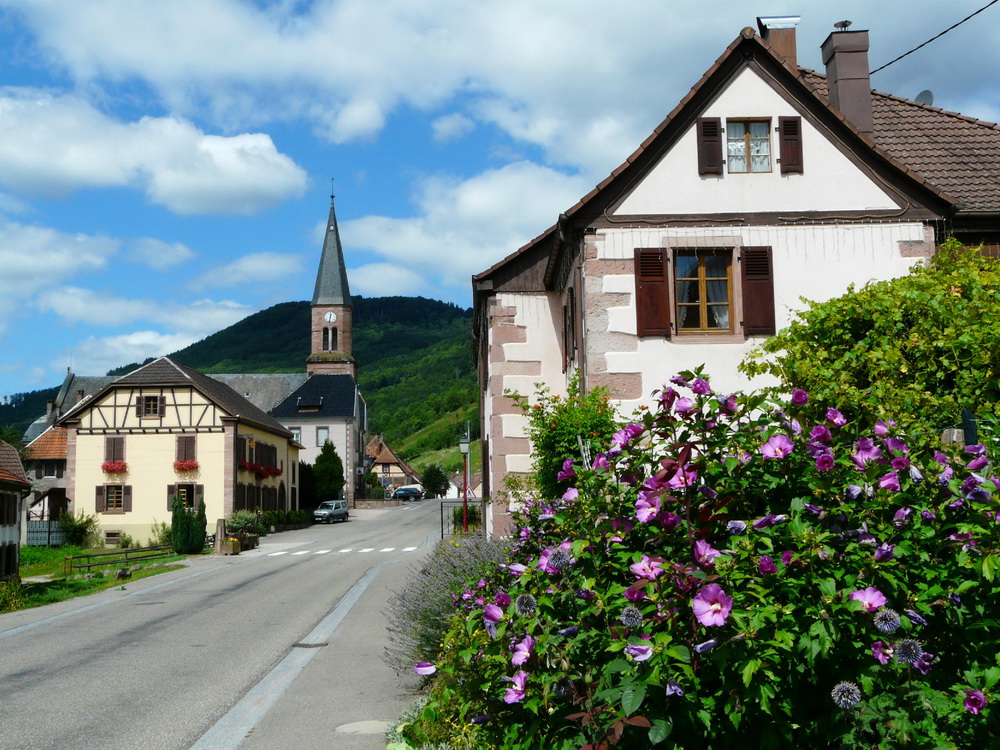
{"x": 165, "y": 168}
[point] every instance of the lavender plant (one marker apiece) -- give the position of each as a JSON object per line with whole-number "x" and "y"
{"x": 725, "y": 574}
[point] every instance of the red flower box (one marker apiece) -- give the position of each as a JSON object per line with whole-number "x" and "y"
{"x": 186, "y": 465}
{"x": 114, "y": 467}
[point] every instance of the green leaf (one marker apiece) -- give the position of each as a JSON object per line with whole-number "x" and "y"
{"x": 632, "y": 697}
{"x": 618, "y": 665}
{"x": 681, "y": 653}
{"x": 660, "y": 730}
{"x": 749, "y": 669}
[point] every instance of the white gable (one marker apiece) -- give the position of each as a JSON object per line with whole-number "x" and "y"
{"x": 830, "y": 181}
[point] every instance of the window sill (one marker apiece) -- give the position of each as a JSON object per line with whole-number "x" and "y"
{"x": 708, "y": 338}
{"x": 113, "y": 512}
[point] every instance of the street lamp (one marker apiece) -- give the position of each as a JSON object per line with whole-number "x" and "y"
{"x": 463, "y": 445}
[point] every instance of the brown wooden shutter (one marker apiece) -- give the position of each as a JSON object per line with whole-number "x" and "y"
{"x": 162, "y": 403}
{"x": 171, "y": 491}
{"x": 199, "y": 494}
{"x": 652, "y": 292}
{"x": 39, "y": 470}
{"x": 138, "y": 406}
{"x": 127, "y": 498}
{"x": 114, "y": 449}
{"x": 185, "y": 448}
{"x": 59, "y": 469}
{"x": 241, "y": 449}
{"x": 758, "y": 291}
{"x": 709, "y": 130}
{"x": 99, "y": 505}
{"x": 790, "y": 144}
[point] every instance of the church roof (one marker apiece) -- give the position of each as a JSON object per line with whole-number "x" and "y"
{"x": 320, "y": 396}
{"x": 331, "y": 280}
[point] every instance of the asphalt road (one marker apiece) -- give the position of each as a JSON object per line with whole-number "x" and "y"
{"x": 275, "y": 648}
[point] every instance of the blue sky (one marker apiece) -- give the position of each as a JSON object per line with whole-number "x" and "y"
{"x": 165, "y": 167}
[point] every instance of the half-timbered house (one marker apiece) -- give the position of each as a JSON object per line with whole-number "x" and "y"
{"x": 166, "y": 431}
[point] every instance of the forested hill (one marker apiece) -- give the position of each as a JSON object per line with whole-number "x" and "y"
{"x": 414, "y": 360}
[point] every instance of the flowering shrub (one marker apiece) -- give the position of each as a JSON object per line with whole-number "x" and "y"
{"x": 114, "y": 467}
{"x": 724, "y": 572}
{"x": 186, "y": 465}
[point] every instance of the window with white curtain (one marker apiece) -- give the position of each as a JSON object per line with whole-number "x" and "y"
{"x": 703, "y": 291}
{"x": 748, "y": 145}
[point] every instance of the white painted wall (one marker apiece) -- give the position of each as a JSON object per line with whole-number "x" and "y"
{"x": 829, "y": 182}
{"x": 811, "y": 261}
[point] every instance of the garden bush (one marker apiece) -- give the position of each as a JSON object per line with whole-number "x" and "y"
{"x": 724, "y": 575}
{"x": 188, "y": 528}
{"x": 299, "y": 516}
{"x": 417, "y": 615}
{"x": 243, "y": 522}
{"x": 78, "y": 528}
{"x": 458, "y": 515}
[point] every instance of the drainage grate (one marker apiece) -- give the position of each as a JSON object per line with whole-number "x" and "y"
{"x": 309, "y": 645}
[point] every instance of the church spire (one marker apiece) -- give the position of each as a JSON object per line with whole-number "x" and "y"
{"x": 332, "y": 312}
{"x": 331, "y": 279}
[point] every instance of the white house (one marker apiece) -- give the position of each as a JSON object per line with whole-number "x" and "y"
{"x": 768, "y": 182}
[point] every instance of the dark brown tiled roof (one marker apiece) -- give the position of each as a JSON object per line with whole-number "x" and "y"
{"x": 50, "y": 445}
{"x": 11, "y": 470}
{"x": 165, "y": 372}
{"x": 959, "y": 155}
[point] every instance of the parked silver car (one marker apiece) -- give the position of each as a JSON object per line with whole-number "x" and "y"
{"x": 330, "y": 511}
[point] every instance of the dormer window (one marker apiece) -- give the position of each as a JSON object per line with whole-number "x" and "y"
{"x": 748, "y": 145}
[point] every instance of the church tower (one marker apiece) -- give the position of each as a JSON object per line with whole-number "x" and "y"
{"x": 331, "y": 310}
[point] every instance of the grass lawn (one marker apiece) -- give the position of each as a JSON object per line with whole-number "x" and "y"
{"x": 49, "y": 561}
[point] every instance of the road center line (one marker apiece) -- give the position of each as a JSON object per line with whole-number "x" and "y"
{"x": 229, "y": 732}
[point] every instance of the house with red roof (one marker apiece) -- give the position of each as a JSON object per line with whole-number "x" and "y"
{"x": 14, "y": 486}
{"x": 767, "y": 183}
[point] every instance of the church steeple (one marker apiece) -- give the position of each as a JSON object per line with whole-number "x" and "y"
{"x": 331, "y": 309}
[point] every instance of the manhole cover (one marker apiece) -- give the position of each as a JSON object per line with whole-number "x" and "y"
{"x": 363, "y": 727}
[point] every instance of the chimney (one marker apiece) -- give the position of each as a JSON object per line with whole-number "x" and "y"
{"x": 779, "y": 32}
{"x": 49, "y": 407}
{"x": 845, "y": 55}
{"x": 79, "y": 395}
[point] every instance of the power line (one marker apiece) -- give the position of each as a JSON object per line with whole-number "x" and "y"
{"x": 953, "y": 26}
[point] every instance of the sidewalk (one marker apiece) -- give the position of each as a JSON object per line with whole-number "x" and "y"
{"x": 345, "y": 696}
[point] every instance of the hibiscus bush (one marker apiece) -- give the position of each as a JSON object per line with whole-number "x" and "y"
{"x": 723, "y": 575}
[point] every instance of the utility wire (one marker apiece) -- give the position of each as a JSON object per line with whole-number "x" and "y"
{"x": 953, "y": 26}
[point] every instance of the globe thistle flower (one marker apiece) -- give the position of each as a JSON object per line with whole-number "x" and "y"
{"x": 525, "y": 605}
{"x": 909, "y": 651}
{"x": 846, "y": 695}
{"x": 887, "y": 620}
{"x": 631, "y": 617}
{"x": 559, "y": 559}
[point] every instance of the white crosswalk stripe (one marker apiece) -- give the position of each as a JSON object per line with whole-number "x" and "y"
{"x": 366, "y": 549}
{"x": 275, "y": 554}
{"x": 408, "y": 549}
{"x": 349, "y": 549}
{"x": 388, "y": 549}
{"x": 322, "y": 551}
{"x": 345, "y": 550}
{"x": 301, "y": 552}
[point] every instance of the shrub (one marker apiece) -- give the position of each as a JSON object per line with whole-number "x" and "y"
{"x": 417, "y": 615}
{"x": 126, "y": 542}
{"x": 78, "y": 528}
{"x": 242, "y": 522}
{"x": 918, "y": 348}
{"x": 298, "y": 516}
{"x": 11, "y": 594}
{"x": 725, "y": 572}
{"x": 161, "y": 535}
{"x": 458, "y": 516}
{"x": 188, "y": 528}
{"x": 558, "y": 424}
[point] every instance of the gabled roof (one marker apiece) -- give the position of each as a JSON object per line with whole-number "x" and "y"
{"x": 11, "y": 470}
{"x": 319, "y": 396}
{"x": 49, "y": 446}
{"x": 265, "y": 391}
{"x": 165, "y": 372}
{"x": 331, "y": 279}
{"x": 912, "y": 169}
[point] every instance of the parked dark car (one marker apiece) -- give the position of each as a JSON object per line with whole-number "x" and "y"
{"x": 408, "y": 494}
{"x": 330, "y": 511}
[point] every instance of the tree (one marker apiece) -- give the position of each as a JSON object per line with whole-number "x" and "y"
{"x": 329, "y": 471}
{"x": 918, "y": 348}
{"x": 434, "y": 480}
{"x": 180, "y": 526}
{"x": 307, "y": 486}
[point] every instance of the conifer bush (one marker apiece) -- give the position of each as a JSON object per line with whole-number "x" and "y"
{"x": 724, "y": 575}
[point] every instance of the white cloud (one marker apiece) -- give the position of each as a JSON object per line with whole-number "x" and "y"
{"x": 35, "y": 258}
{"x": 387, "y": 280}
{"x": 463, "y": 227}
{"x": 202, "y": 317}
{"x": 98, "y": 355}
{"x": 158, "y": 254}
{"x": 451, "y": 127}
{"x": 256, "y": 268}
{"x": 55, "y": 145}
{"x": 76, "y": 305}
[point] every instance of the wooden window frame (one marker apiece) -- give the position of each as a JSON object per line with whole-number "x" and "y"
{"x": 700, "y": 254}
{"x": 123, "y": 504}
{"x": 150, "y": 407}
{"x": 747, "y": 140}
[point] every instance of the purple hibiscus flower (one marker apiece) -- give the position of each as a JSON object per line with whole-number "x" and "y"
{"x": 901, "y": 517}
{"x": 647, "y": 507}
{"x": 884, "y": 552}
{"x": 424, "y": 668}
{"x": 705, "y": 553}
{"x": 701, "y": 387}
{"x": 882, "y": 652}
{"x": 684, "y": 406}
{"x": 799, "y": 397}
{"x": 821, "y": 434}
{"x": 523, "y": 650}
{"x": 766, "y": 565}
{"x": 924, "y": 663}
{"x": 673, "y": 688}
{"x": 975, "y": 701}
{"x": 834, "y": 417}
{"x": 889, "y": 482}
{"x": 711, "y": 605}
{"x": 647, "y": 568}
{"x": 736, "y": 528}
{"x": 639, "y": 651}
{"x": 516, "y": 694}
{"x": 777, "y": 446}
{"x": 824, "y": 461}
{"x": 568, "y": 473}
{"x": 871, "y": 598}
{"x": 571, "y": 493}
{"x": 706, "y": 646}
